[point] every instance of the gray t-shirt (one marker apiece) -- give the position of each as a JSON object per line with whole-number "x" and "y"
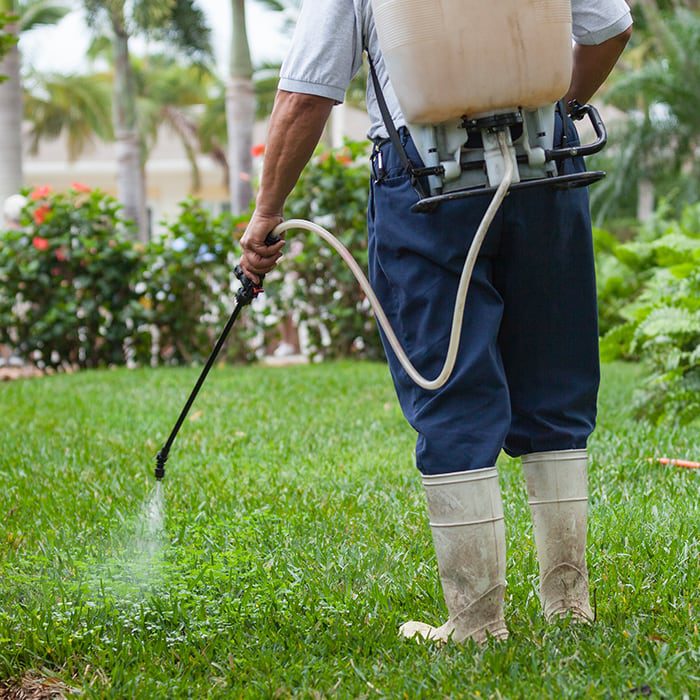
{"x": 331, "y": 36}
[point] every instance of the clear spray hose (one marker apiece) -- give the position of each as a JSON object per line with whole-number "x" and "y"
{"x": 465, "y": 279}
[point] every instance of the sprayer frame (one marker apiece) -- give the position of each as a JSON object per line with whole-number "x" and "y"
{"x": 428, "y": 203}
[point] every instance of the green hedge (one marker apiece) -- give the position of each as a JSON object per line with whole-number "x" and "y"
{"x": 77, "y": 290}
{"x": 67, "y": 280}
{"x": 325, "y": 298}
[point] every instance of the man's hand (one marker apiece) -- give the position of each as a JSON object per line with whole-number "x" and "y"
{"x": 258, "y": 258}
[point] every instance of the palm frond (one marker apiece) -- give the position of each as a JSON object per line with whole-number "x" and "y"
{"x": 36, "y": 13}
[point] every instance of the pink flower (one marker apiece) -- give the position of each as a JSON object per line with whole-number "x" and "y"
{"x": 80, "y": 187}
{"x": 40, "y": 214}
{"x": 257, "y": 150}
{"x": 61, "y": 254}
{"x": 40, "y": 192}
{"x": 40, "y": 243}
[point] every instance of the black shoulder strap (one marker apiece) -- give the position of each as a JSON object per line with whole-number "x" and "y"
{"x": 388, "y": 121}
{"x": 394, "y": 134}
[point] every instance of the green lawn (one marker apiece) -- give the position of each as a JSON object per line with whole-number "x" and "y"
{"x": 297, "y": 542}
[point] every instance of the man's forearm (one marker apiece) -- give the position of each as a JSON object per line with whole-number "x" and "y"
{"x": 592, "y": 65}
{"x": 296, "y": 126}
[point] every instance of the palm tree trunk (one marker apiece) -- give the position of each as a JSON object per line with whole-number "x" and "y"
{"x": 645, "y": 200}
{"x": 240, "y": 113}
{"x": 10, "y": 120}
{"x": 131, "y": 185}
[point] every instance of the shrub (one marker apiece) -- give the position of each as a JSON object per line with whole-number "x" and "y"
{"x": 77, "y": 290}
{"x": 616, "y": 283}
{"x": 66, "y": 280}
{"x": 659, "y": 319}
{"x": 323, "y": 296}
{"x": 188, "y": 288}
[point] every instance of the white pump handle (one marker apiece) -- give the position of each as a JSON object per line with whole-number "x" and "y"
{"x": 465, "y": 279}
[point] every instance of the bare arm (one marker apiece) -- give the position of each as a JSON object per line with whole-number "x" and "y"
{"x": 592, "y": 65}
{"x": 296, "y": 126}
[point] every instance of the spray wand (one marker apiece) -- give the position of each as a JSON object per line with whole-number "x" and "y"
{"x": 249, "y": 291}
{"x": 244, "y": 296}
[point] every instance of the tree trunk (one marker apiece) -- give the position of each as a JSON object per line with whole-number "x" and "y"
{"x": 240, "y": 113}
{"x": 10, "y": 123}
{"x": 645, "y": 200}
{"x": 131, "y": 185}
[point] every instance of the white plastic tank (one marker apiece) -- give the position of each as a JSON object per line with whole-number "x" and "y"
{"x": 448, "y": 58}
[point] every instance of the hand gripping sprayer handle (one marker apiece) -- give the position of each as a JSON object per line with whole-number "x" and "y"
{"x": 248, "y": 291}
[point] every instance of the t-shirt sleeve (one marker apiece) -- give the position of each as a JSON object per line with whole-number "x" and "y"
{"x": 326, "y": 50}
{"x": 596, "y": 21}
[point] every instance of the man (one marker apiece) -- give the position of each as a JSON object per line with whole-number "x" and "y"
{"x": 527, "y": 375}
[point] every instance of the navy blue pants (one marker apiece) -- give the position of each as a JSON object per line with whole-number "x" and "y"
{"x": 527, "y": 373}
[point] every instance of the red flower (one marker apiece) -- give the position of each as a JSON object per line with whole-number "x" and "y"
{"x": 61, "y": 254}
{"x": 257, "y": 150}
{"x": 344, "y": 160}
{"x": 40, "y": 192}
{"x": 80, "y": 187}
{"x": 40, "y": 243}
{"x": 40, "y": 214}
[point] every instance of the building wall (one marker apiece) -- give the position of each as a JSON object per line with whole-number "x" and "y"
{"x": 168, "y": 174}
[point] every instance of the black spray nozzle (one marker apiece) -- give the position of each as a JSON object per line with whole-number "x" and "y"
{"x": 161, "y": 459}
{"x": 249, "y": 290}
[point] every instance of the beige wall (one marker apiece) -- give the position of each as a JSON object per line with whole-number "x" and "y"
{"x": 167, "y": 171}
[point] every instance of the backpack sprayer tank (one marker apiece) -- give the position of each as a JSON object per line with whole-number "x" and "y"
{"x": 465, "y": 70}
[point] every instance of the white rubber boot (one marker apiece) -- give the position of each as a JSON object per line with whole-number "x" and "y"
{"x": 557, "y": 488}
{"x": 466, "y": 518}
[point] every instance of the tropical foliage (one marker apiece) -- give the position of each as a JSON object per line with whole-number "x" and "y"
{"x": 324, "y": 298}
{"x": 657, "y": 142}
{"x": 178, "y": 23}
{"x": 77, "y": 106}
{"x": 186, "y": 289}
{"x": 76, "y": 290}
{"x": 169, "y": 93}
{"x": 25, "y": 16}
{"x": 650, "y": 305}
